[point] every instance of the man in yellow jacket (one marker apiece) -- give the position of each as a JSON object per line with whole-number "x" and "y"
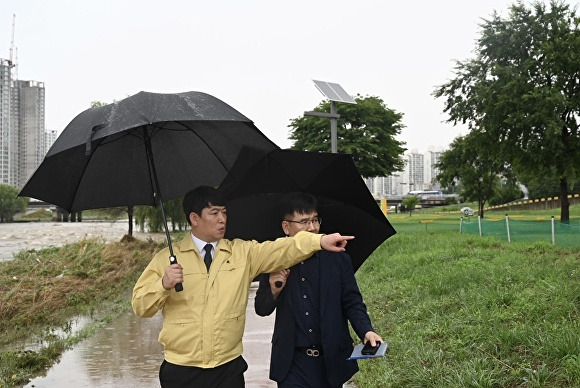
{"x": 203, "y": 325}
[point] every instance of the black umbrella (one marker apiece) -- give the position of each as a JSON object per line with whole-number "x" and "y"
{"x": 257, "y": 182}
{"x": 143, "y": 150}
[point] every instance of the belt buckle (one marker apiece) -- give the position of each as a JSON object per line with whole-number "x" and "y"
{"x": 312, "y": 352}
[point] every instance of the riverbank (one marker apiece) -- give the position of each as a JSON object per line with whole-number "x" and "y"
{"x": 86, "y": 336}
{"x": 18, "y": 236}
{"x": 43, "y": 290}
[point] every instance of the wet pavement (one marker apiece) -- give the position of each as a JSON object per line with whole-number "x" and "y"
{"x": 126, "y": 354}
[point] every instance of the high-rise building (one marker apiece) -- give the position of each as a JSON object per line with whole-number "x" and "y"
{"x": 28, "y": 104}
{"x": 416, "y": 170}
{"x": 419, "y": 173}
{"x": 5, "y": 87}
{"x": 22, "y": 135}
{"x": 50, "y": 138}
{"x": 432, "y": 157}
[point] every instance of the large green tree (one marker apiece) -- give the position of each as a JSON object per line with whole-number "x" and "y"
{"x": 366, "y": 130}
{"x": 10, "y": 203}
{"x": 544, "y": 183}
{"x": 469, "y": 160}
{"x": 523, "y": 90}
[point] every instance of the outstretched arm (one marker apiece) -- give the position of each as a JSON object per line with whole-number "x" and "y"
{"x": 334, "y": 242}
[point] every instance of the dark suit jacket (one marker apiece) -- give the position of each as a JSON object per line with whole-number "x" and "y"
{"x": 340, "y": 299}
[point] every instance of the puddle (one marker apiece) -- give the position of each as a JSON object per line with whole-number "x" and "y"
{"x": 123, "y": 354}
{"x": 126, "y": 354}
{"x": 73, "y": 327}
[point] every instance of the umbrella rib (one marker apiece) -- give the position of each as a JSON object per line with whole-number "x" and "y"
{"x": 78, "y": 185}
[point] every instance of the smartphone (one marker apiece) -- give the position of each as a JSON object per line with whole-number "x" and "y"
{"x": 370, "y": 350}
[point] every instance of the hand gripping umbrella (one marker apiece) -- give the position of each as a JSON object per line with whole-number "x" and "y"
{"x": 132, "y": 151}
{"x": 257, "y": 182}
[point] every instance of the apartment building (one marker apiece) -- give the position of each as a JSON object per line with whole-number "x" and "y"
{"x": 5, "y": 146}
{"x": 419, "y": 173}
{"x": 23, "y": 139}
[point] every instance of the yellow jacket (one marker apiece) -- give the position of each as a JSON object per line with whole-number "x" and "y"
{"x": 203, "y": 325}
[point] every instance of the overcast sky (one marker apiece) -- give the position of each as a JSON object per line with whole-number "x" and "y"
{"x": 259, "y": 56}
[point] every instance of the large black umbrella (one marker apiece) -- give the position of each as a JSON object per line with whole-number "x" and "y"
{"x": 143, "y": 150}
{"x": 257, "y": 182}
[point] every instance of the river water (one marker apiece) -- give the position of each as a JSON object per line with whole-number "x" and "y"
{"x": 126, "y": 352}
{"x": 17, "y": 236}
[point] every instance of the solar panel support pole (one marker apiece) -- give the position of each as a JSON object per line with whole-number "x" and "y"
{"x": 322, "y": 114}
{"x": 334, "y": 92}
{"x": 333, "y": 116}
{"x": 333, "y": 136}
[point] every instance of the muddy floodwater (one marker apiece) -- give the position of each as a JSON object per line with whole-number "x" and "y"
{"x": 17, "y": 236}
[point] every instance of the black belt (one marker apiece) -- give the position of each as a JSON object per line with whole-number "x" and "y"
{"x": 311, "y": 352}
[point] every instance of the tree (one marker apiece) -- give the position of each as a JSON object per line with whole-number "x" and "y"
{"x": 151, "y": 216}
{"x": 544, "y": 183}
{"x": 469, "y": 159}
{"x": 523, "y": 89}
{"x": 366, "y": 130}
{"x": 174, "y": 211}
{"x": 10, "y": 203}
{"x": 507, "y": 191}
{"x": 410, "y": 202}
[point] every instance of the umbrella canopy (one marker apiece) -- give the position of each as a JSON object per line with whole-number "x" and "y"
{"x": 257, "y": 182}
{"x": 111, "y": 155}
{"x": 142, "y": 150}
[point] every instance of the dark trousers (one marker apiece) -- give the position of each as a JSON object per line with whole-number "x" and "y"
{"x": 306, "y": 372}
{"x": 228, "y": 375}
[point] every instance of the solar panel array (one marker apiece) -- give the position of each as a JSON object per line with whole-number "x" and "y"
{"x": 334, "y": 92}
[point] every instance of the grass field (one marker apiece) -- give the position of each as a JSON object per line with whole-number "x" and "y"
{"x": 525, "y": 226}
{"x": 465, "y": 311}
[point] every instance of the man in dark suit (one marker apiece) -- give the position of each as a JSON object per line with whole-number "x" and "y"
{"x": 314, "y": 299}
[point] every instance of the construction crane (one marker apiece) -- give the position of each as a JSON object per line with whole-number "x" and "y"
{"x": 13, "y": 59}
{"x": 11, "y": 63}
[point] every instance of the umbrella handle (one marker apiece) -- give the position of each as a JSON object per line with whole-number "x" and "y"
{"x": 173, "y": 260}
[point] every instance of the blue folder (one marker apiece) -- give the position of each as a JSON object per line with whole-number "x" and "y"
{"x": 357, "y": 355}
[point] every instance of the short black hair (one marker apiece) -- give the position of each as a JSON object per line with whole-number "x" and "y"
{"x": 297, "y": 202}
{"x": 201, "y": 197}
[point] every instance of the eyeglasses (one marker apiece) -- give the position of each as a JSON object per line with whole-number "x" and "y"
{"x": 304, "y": 223}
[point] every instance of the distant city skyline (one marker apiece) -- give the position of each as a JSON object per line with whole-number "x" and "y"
{"x": 419, "y": 174}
